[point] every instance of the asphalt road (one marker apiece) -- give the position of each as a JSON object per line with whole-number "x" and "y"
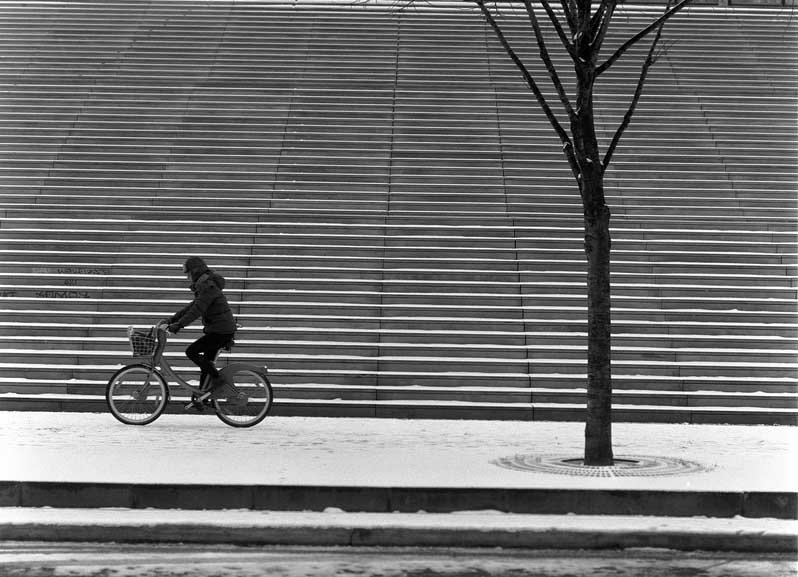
{"x": 29, "y": 559}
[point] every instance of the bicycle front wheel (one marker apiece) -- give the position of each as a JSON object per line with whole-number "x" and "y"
{"x": 136, "y": 395}
{"x": 246, "y": 401}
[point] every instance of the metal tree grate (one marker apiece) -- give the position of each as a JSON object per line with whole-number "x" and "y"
{"x": 627, "y": 466}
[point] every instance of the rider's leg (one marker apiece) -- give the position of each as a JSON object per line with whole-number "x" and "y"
{"x": 203, "y": 351}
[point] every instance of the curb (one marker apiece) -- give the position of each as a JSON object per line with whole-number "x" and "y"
{"x": 487, "y": 529}
{"x": 404, "y": 537}
{"x": 777, "y": 505}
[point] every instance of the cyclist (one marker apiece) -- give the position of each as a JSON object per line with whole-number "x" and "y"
{"x": 219, "y": 326}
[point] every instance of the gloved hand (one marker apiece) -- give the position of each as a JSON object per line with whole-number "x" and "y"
{"x": 173, "y": 328}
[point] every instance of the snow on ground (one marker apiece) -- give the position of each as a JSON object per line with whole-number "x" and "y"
{"x": 334, "y": 518}
{"x": 89, "y": 447}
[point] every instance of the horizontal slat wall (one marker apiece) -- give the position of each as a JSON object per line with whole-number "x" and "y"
{"x": 400, "y": 232}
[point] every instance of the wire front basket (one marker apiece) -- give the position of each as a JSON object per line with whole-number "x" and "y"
{"x": 142, "y": 343}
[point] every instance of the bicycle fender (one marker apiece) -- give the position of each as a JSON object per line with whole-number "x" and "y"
{"x": 233, "y": 367}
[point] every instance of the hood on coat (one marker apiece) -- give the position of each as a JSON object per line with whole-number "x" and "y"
{"x": 196, "y": 267}
{"x": 208, "y": 276}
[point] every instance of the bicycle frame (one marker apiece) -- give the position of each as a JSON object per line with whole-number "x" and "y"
{"x": 160, "y": 365}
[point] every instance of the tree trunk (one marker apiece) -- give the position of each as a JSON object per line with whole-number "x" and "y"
{"x": 598, "y": 424}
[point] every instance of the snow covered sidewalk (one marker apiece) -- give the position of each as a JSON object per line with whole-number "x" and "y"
{"x": 291, "y": 451}
{"x": 396, "y": 481}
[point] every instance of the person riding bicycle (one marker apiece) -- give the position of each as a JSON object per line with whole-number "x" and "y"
{"x": 219, "y": 326}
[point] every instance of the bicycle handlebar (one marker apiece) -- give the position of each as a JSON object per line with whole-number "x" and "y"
{"x": 162, "y": 327}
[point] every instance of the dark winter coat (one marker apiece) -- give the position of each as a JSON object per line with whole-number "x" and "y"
{"x": 210, "y": 304}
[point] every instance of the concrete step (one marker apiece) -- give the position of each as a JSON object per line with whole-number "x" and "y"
{"x": 731, "y": 253}
{"x": 478, "y": 395}
{"x": 371, "y": 196}
{"x": 508, "y": 227}
{"x": 712, "y": 336}
{"x": 540, "y": 306}
{"x": 162, "y": 273}
{"x": 62, "y": 267}
{"x": 518, "y": 336}
{"x": 428, "y": 243}
{"x": 167, "y": 210}
{"x": 411, "y": 303}
{"x": 565, "y": 214}
{"x": 708, "y": 329}
{"x": 322, "y": 382}
{"x": 413, "y": 280}
{"x": 517, "y": 369}
{"x": 94, "y": 377}
{"x": 114, "y": 286}
{"x": 457, "y": 410}
{"x": 537, "y": 395}
{"x": 566, "y": 348}
{"x": 283, "y": 371}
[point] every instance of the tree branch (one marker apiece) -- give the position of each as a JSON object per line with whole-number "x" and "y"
{"x": 601, "y": 22}
{"x": 530, "y": 82}
{"x": 598, "y": 14}
{"x": 583, "y": 10}
{"x": 640, "y": 35}
{"x": 569, "y": 8}
{"x": 546, "y": 58}
{"x": 569, "y": 46}
{"x": 627, "y": 118}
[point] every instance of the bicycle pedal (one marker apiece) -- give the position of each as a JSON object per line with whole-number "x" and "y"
{"x": 196, "y": 405}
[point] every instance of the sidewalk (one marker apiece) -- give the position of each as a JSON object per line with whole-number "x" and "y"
{"x": 385, "y": 481}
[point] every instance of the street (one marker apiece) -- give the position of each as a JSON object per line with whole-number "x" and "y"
{"x": 37, "y": 559}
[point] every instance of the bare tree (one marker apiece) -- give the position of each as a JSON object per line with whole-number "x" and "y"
{"x": 582, "y": 26}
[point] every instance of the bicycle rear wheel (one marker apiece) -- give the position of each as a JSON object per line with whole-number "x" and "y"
{"x": 246, "y": 401}
{"x": 136, "y": 395}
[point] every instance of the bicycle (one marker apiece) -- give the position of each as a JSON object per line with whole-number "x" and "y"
{"x": 138, "y": 393}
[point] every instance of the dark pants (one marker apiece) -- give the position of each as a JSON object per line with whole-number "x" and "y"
{"x": 202, "y": 353}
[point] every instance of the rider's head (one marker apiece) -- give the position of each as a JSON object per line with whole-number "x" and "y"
{"x": 195, "y": 267}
